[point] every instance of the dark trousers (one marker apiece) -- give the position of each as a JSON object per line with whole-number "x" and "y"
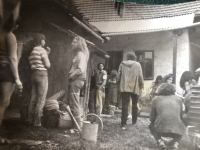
{"x": 157, "y": 135}
{"x": 125, "y": 102}
{"x": 24, "y": 102}
{"x": 92, "y": 101}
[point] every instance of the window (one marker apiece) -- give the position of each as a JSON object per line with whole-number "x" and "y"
{"x": 146, "y": 59}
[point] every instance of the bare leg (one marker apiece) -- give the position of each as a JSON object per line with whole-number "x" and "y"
{"x": 6, "y": 90}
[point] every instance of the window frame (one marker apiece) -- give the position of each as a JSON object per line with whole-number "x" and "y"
{"x": 143, "y": 62}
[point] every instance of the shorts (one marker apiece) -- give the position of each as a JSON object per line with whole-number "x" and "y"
{"x": 6, "y": 74}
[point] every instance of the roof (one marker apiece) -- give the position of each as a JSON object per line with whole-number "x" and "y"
{"x": 101, "y": 10}
{"x": 137, "y": 18}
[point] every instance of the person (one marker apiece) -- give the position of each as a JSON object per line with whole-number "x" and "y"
{"x": 187, "y": 102}
{"x": 165, "y": 123}
{"x": 77, "y": 76}
{"x": 101, "y": 77}
{"x": 91, "y": 103}
{"x": 186, "y": 79}
{"x": 131, "y": 85}
{"x": 113, "y": 88}
{"x": 9, "y": 76}
{"x": 155, "y": 85}
{"x": 197, "y": 72}
{"x": 168, "y": 79}
{"x": 25, "y": 74}
{"x": 39, "y": 62}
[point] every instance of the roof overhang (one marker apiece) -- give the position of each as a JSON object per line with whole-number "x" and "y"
{"x": 92, "y": 46}
{"x": 109, "y": 28}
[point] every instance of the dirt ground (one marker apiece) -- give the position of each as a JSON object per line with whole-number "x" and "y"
{"x": 135, "y": 137}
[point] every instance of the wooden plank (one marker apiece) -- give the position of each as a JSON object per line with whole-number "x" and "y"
{"x": 194, "y": 119}
{"x": 194, "y": 109}
{"x": 57, "y": 96}
{"x": 195, "y": 92}
{"x": 196, "y": 87}
{"x": 195, "y": 104}
{"x": 194, "y": 114}
{"x": 195, "y": 97}
{"x": 193, "y": 124}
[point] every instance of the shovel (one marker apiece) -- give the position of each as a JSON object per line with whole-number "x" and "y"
{"x": 69, "y": 110}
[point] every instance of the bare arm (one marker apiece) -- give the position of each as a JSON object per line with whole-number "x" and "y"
{"x": 102, "y": 85}
{"x": 11, "y": 45}
{"x": 112, "y": 81}
{"x": 46, "y": 62}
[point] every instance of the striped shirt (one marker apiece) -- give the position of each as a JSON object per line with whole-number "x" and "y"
{"x": 36, "y": 57}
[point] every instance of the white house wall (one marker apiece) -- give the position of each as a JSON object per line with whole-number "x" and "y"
{"x": 162, "y": 44}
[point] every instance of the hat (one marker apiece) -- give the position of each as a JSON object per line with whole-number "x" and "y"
{"x": 198, "y": 70}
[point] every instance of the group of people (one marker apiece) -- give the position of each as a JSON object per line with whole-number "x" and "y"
{"x": 128, "y": 80}
{"x": 169, "y": 110}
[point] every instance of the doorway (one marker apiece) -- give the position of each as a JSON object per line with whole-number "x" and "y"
{"x": 114, "y": 61}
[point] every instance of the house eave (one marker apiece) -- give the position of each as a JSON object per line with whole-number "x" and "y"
{"x": 150, "y": 31}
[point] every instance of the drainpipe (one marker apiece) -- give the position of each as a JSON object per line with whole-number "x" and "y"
{"x": 88, "y": 29}
{"x": 176, "y": 34}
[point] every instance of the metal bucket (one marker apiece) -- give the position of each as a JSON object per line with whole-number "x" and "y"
{"x": 89, "y": 131}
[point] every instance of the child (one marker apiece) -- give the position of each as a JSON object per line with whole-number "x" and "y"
{"x": 112, "y": 93}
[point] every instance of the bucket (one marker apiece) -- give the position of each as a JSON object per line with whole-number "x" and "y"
{"x": 89, "y": 131}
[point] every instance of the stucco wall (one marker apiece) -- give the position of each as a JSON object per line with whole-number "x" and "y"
{"x": 162, "y": 44}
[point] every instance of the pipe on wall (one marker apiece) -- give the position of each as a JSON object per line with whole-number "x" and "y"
{"x": 88, "y": 29}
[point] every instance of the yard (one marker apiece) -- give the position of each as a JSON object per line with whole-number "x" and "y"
{"x": 135, "y": 137}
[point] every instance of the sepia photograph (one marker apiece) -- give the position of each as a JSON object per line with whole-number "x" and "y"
{"x": 99, "y": 74}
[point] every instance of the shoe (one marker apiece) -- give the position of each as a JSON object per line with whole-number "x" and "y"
{"x": 161, "y": 145}
{"x": 133, "y": 122}
{"x": 123, "y": 127}
{"x": 129, "y": 117}
{"x": 139, "y": 111}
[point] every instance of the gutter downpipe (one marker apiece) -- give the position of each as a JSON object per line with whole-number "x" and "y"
{"x": 151, "y": 31}
{"x": 88, "y": 29}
